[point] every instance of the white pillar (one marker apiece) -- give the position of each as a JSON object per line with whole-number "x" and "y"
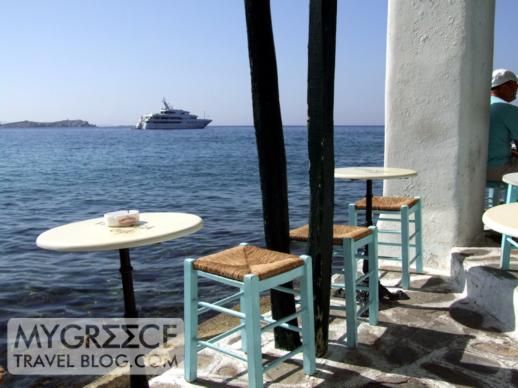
{"x": 439, "y": 60}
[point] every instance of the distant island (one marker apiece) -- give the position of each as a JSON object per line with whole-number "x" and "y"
{"x": 54, "y": 124}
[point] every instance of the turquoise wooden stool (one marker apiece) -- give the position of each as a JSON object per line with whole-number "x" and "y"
{"x": 350, "y": 239}
{"x": 508, "y": 242}
{"x": 494, "y": 191}
{"x": 251, "y": 270}
{"x": 400, "y": 210}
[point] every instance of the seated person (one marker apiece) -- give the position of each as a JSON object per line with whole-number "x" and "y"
{"x": 503, "y": 126}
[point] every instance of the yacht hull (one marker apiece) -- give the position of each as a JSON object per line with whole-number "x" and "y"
{"x": 191, "y": 124}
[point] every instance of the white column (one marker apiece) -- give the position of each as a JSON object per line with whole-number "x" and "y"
{"x": 439, "y": 60}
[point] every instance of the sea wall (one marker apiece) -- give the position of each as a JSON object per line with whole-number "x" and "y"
{"x": 439, "y": 61}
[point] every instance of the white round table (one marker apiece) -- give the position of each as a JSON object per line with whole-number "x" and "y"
{"x": 511, "y": 179}
{"x": 94, "y": 235}
{"x": 370, "y": 173}
{"x": 512, "y": 188}
{"x": 502, "y": 219}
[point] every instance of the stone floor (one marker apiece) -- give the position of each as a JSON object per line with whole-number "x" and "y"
{"x": 436, "y": 338}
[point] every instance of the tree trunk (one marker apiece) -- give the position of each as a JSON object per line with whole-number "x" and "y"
{"x": 321, "y": 70}
{"x": 270, "y": 149}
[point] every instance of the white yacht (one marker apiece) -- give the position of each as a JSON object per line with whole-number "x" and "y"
{"x": 170, "y": 118}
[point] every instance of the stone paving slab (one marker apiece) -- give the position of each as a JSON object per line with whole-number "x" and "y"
{"x": 436, "y": 338}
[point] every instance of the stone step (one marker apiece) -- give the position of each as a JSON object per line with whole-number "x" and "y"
{"x": 476, "y": 273}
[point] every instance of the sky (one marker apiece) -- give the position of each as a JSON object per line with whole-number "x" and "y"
{"x": 110, "y": 61}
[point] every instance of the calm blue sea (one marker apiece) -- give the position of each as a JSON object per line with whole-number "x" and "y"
{"x": 53, "y": 176}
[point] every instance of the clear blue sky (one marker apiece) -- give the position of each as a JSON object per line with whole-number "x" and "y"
{"x": 109, "y": 61}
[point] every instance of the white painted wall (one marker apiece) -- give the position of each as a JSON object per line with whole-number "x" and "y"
{"x": 439, "y": 62}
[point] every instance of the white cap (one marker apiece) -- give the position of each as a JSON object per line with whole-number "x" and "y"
{"x": 501, "y": 76}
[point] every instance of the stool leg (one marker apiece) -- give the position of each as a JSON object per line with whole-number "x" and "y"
{"x": 497, "y": 196}
{"x": 191, "y": 321}
{"x": 242, "y": 304}
{"x": 490, "y": 197}
{"x": 405, "y": 281}
{"x": 512, "y": 194}
{"x": 308, "y": 321}
{"x": 253, "y": 331}
{"x": 418, "y": 238}
{"x": 506, "y": 252}
{"x": 350, "y": 291}
{"x": 373, "y": 278}
{"x": 353, "y": 217}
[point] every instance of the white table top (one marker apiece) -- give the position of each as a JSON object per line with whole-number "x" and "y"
{"x": 94, "y": 235}
{"x": 503, "y": 219}
{"x": 373, "y": 173}
{"x": 511, "y": 178}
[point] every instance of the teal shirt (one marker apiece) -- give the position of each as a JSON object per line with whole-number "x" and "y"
{"x": 503, "y": 129}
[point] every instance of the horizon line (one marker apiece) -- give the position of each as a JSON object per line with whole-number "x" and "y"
{"x": 248, "y": 125}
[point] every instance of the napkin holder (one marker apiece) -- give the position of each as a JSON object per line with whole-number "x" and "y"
{"x": 122, "y": 218}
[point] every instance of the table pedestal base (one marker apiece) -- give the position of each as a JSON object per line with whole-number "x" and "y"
{"x": 130, "y": 308}
{"x": 383, "y": 291}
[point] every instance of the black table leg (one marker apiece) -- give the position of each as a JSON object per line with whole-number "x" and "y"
{"x": 383, "y": 291}
{"x": 130, "y": 308}
{"x": 368, "y": 198}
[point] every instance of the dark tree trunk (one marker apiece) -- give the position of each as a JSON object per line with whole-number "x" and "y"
{"x": 270, "y": 148}
{"x": 321, "y": 73}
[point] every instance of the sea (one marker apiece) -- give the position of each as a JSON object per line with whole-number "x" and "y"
{"x": 53, "y": 176}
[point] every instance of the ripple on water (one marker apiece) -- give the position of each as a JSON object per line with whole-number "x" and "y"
{"x": 55, "y": 176}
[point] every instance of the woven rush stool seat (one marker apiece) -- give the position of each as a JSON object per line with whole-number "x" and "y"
{"x": 235, "y": 263}
{"x": 387, "y": 203}
{"x": 397, "y": 210}
{"x": 350, "y": 239}
{"x": 339, "y": 233}
{"x": 251, "y": 270}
